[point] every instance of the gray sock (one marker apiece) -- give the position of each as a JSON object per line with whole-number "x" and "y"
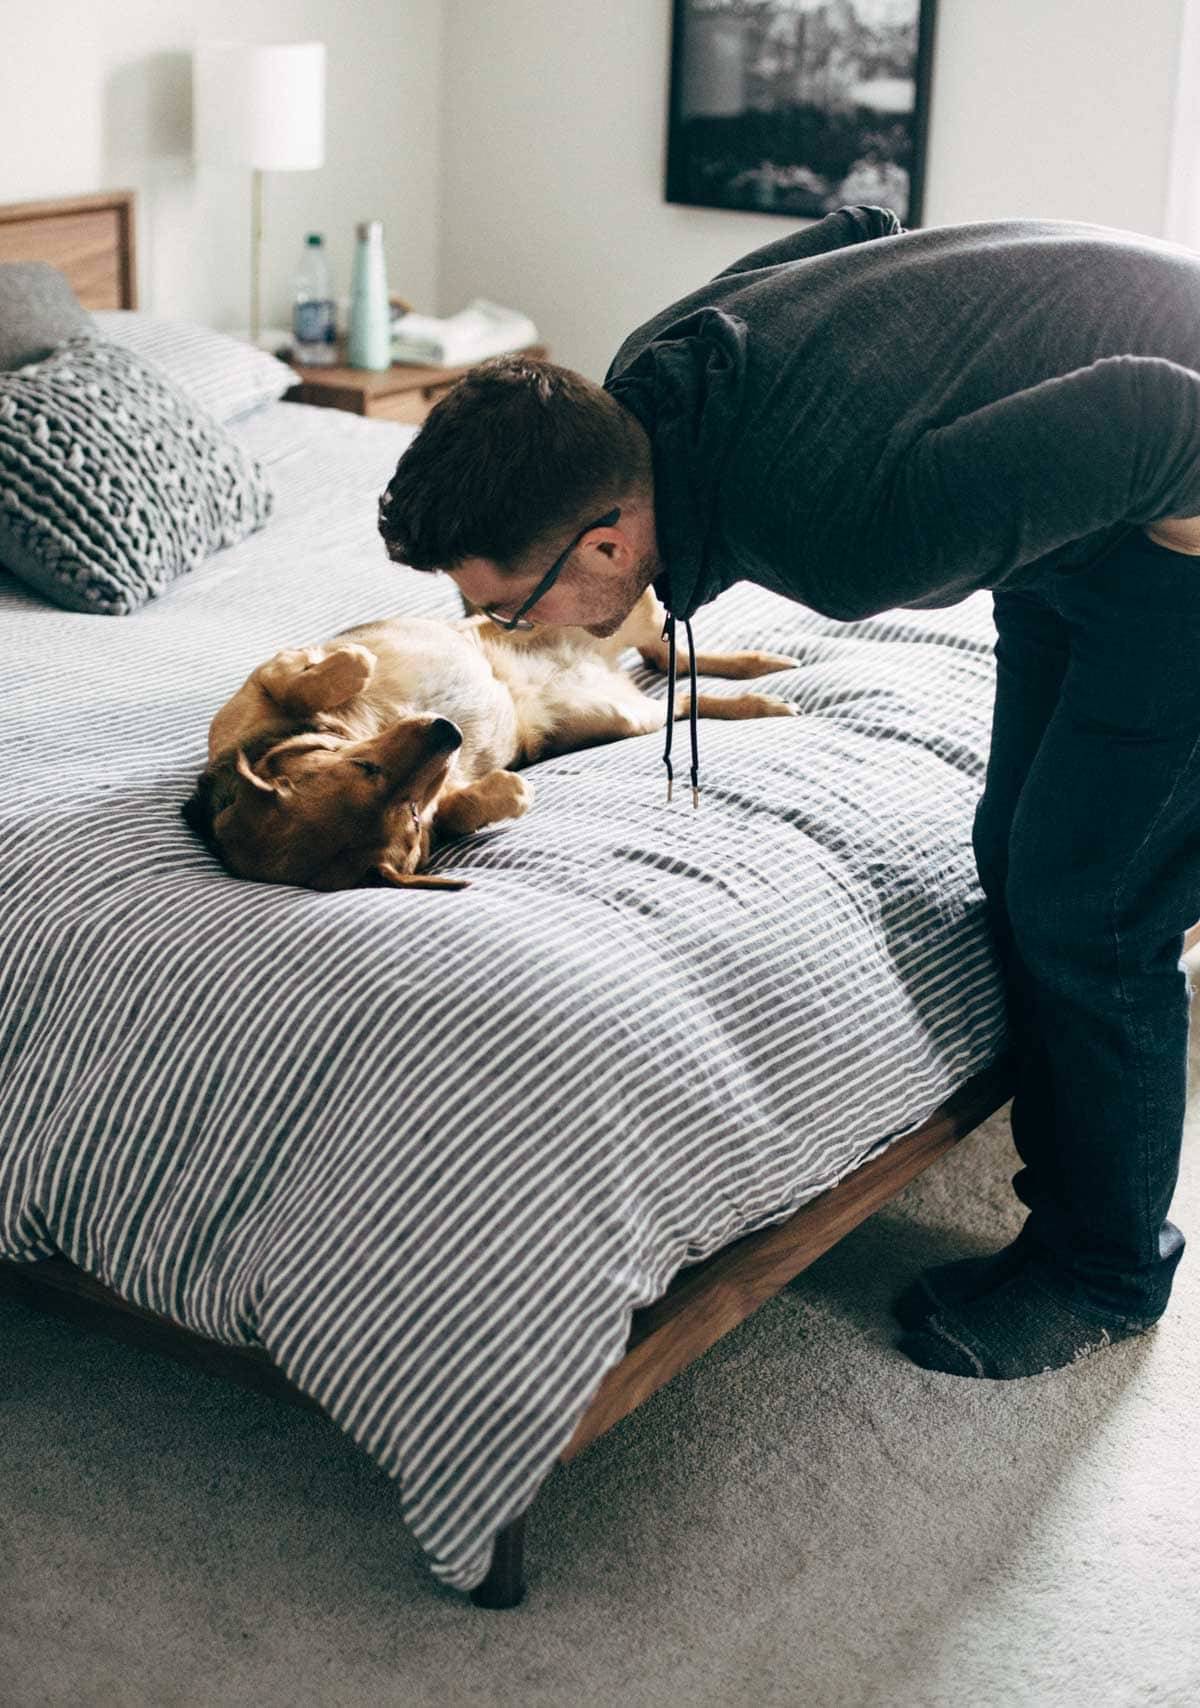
{"x": 959, "y": 1282}
{"x": 1026, "y": 1326}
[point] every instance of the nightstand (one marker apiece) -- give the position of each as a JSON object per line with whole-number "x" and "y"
{"x": 399, "y": 393}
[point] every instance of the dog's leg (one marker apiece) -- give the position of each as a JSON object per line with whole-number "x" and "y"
{"x": 736, "y": 706}
{"x": 716, "y": 706}
{"x": 293, "y": 686}
{"x": 460, "y": 812}
{"x": 490, "y": 798}
{"x": 730, "y": 664}
{"x": 593, "y": 723}
{"x": 315, "y": 678}
{"x": 643, "y": 628}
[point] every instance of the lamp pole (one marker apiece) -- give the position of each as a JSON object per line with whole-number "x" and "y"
{"x": 261, "y": 105}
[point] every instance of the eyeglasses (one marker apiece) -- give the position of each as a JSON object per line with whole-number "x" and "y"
{"x": 551, "y": 576}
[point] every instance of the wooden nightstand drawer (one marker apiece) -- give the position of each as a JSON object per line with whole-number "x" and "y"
{"x": 407, "y": 405}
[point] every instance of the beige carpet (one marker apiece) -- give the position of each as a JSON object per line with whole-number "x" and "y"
{"x": 804, "y": 1518}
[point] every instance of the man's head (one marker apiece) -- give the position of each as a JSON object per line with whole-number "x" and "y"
{"x": 506, "y": 471}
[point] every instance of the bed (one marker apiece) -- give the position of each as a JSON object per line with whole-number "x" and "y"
{"x": 472, "y": 1172}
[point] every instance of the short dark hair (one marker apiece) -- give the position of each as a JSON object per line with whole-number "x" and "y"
{"x": 518, "y": 453}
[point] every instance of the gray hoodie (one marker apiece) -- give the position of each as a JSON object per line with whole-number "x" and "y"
{"x": 862, "y": 417}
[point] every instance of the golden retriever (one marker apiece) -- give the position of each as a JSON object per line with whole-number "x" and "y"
{"x": 347, "y": 763}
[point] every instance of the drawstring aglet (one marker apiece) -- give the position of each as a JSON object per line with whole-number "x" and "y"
{"x": 669, "y": 637}
{"x": 692, "y": 716}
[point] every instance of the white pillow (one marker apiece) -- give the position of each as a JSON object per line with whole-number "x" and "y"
{"x": 222, "y": 374}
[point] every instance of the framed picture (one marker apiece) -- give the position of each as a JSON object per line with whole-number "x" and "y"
{"x": 799, "y": 107}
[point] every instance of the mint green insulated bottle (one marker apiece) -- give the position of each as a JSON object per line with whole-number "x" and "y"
{"x": 369, "y": 344}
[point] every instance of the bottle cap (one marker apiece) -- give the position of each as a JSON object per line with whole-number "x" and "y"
{"x": 369, "y": 228}
{"x": 313, "y": 237}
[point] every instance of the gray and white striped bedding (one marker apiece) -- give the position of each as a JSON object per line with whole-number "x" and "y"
{"x": 431, "y": 1150}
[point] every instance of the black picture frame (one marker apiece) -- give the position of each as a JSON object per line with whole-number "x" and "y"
{"x": 761, "y": 149}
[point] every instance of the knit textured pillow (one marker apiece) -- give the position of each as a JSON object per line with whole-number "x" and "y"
{"x": 112, "y": 481}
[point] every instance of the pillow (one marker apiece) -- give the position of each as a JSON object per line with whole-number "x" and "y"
{"x": 38, "y": 309}
{"x": 224, "y": 375}
{"x": 112, "y": 481}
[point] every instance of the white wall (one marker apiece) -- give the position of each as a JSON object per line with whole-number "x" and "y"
{"x": 96, "y": 94}
{"x": 514, "y": 148}
{"x": 554, "y": 128}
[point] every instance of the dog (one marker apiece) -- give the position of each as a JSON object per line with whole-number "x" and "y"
{"x": 347, "y": 764}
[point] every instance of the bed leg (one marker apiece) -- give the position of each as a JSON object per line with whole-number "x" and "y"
{"x": 504, "y": 1586}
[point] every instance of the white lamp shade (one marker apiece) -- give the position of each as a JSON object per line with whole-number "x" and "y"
{"x": 260, "y": 106}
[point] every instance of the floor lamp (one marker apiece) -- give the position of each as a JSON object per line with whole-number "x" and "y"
{"x": 261, "y": 107}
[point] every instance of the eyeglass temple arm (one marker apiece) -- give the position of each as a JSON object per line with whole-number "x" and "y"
{"x": 608, "y": 520}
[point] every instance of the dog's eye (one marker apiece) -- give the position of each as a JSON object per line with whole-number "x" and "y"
{"x": 369, "y": 768}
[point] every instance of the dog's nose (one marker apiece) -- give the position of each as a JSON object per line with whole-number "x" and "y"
{"x": 446, "y": 734}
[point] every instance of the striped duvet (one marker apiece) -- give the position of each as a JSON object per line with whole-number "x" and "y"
{"x": 430, "y": 1150}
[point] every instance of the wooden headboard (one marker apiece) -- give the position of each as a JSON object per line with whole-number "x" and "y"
{"x": 89, "y": 238}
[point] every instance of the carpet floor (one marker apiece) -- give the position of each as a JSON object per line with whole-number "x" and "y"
{"x": 802, "y": 1518}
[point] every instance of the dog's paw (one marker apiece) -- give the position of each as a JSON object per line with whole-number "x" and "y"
{"x": 311, "y": 679}
{"x": 505, "y": 794}
{"x": 347, "y": 669}
{"x": 495, "y": 796}
{"x": 766, "y": 662}
{"x": 741, "y": 665}
{"x": 766, "y": 706}
{"x": 293, "y": 659}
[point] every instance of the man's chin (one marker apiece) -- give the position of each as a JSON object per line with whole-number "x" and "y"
{"x": 603, "y": 631}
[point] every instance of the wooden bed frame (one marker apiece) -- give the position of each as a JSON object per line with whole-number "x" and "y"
{"x": 91, "y": 239}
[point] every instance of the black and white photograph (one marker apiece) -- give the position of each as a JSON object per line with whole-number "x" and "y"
{"x": 797, "y": 107}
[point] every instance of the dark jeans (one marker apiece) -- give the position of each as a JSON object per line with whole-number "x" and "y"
{"x": 1087, "y": 840}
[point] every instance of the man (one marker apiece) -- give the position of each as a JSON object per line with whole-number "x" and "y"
{"x": 860, "y": 417}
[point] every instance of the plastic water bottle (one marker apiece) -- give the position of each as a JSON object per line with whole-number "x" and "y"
{"x": 370, "y": 341}
{"x": 314, "y": 314}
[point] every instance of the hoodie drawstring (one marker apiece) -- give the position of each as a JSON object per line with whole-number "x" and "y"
{"x": 668, "y": 634}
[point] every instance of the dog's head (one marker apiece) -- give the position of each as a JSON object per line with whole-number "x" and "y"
{"x": 324, "y": 812}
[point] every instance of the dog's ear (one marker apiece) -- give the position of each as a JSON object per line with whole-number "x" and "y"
{"x": 389, "y": 874}
{"x": 280, "y": 786}
{"x": 217, "y": 786}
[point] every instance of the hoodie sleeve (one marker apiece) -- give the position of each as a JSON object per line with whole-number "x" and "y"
{"x": 836, "y": 231}
{"x": 966, "y": 503}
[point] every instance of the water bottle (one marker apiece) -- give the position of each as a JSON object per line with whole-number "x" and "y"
{"x": 370, "y": 341}
{"x": 314, "y": 315}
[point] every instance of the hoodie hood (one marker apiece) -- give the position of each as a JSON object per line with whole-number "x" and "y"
{"x": 686, "y": 387}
